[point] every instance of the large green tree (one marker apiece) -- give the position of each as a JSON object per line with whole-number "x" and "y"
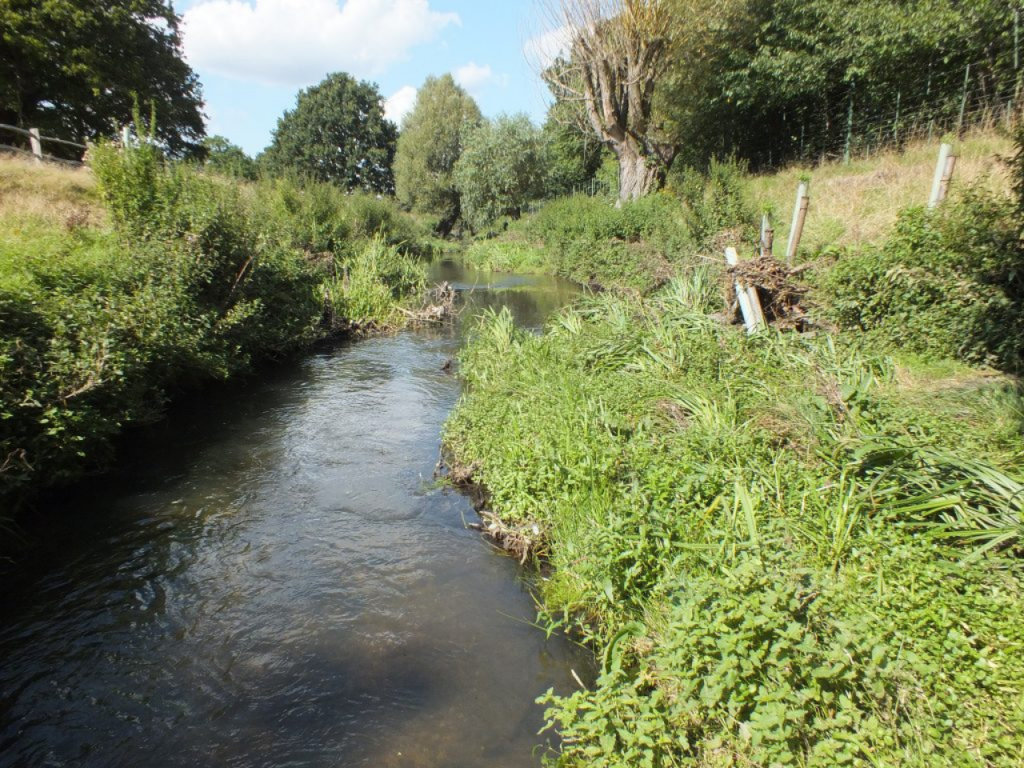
{"x": 228, "y": 159}
{"x": 76, "y": 68}
{"x": 430, "y": 145}
{"x": 337, "y": 133}
{"x": 502, "y": 168}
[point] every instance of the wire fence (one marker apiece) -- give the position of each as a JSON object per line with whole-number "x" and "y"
{"x": 938, "y": 102}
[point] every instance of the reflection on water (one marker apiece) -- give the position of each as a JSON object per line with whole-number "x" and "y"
{"x": 271, "y": 579}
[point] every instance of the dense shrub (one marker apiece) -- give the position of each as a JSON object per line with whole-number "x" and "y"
{"x": 589, "y": 240}
{"x": 199, "y": 278}
{"x": 948, "y": 283}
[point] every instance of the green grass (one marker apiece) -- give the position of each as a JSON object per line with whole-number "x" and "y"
{"x": 784, "y": 549}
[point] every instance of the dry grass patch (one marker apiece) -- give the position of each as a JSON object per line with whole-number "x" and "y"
{"x": 859, "y": 202}
{"x": 48, "y": 194}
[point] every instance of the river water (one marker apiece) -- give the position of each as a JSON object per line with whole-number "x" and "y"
{"x": 271, "y": 578}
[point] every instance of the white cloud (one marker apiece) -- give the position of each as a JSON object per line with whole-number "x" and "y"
{"x": 297, "y": 42}
{"x": 542, "y": 50}
{"x": 472, "y": 76}
{"x": 400, "y": 103}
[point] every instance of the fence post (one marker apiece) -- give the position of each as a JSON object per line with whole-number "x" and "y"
{"x": 1016, "y": 40}
{"x": 37, "y": 145}
{"x": 896, "y": 121}
{"x": 963, "y": 102}
{"x": 849, "y": 130}
{"x": 750, "y": 304}
{"x": 767, "y": 236}
{"x": 943, "y": 175}
{"x": 796, "y": 229}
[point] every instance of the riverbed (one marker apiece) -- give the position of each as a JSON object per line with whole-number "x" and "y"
{"x": 271, "y": 577}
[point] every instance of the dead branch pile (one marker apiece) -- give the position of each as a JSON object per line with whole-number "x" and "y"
{"x": 777, "y": 287}
{"x": 439, "y": 306}
{"x": 523, "y": 542}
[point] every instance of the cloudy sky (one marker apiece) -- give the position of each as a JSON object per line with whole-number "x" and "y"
{"x": 253, "y": 56}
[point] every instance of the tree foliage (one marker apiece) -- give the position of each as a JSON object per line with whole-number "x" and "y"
{"x": 501, "y": 169}
{"x": 429, "y": 146}
{"x": 777, "y": 79}
{"x": 573, "y": 155}
{"x": 229, "y": 159}
{"x": 337, "y": 133}
{"x": 75, "y": 69}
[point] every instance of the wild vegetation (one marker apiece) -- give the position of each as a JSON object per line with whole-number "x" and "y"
{"x": 120, "y": 289}
{"x": 784, "y": 548}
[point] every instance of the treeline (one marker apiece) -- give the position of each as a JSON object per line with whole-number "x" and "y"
{"x": 773, "y": 80}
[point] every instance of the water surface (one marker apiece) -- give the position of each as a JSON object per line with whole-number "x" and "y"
{"x": 271, "y": 578}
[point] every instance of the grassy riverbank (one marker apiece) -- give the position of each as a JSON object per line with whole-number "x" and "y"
{"x": 125, "y": 283}
{"x": 640, "y": 245}
{"x": 786, "y": 549}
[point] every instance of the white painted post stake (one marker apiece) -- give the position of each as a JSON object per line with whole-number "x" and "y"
{"x": 750, "y": 304}
{"x": 126, "y": 137}
{"x": 796, "y": 229}
{"x": 943, "y": 175}
{"x": 37, "y": 144}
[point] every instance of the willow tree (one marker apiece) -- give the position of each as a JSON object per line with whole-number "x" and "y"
{"x": 616, "y": 52}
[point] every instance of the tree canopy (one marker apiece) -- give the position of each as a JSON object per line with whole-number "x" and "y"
{"x": 430, "y": 145}
{"x": 228, "y": 159}
{"x": 501, "y": 169}
{"x": 76, "y": 68}
{"x": 337, "y": 133}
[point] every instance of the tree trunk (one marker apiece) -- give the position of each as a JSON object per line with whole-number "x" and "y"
{"x": 638, "y": 174}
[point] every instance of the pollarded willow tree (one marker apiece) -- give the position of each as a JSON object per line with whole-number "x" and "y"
{"x": 616, "y": 53}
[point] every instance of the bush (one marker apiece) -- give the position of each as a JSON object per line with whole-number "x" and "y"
{"x": 199, "y": 278}
{"x": 590, "y": 241}
{"x": 948, "y": 283}
{"x": 715, "y": 201}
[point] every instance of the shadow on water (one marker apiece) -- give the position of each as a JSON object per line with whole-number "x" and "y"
{"x": 271, "y": 578}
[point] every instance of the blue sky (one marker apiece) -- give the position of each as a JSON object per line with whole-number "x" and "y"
{"x": 253, "y": 56}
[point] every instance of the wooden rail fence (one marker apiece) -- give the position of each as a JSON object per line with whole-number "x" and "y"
{"x": 35, "y": 141}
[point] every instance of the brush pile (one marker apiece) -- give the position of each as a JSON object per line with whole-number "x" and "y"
{"x": 777, "y": 287}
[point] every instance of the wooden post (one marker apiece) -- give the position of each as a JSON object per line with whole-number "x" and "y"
{"x": 896, "y": 122}
{"x": 943, "y": 175}
{"x": 126, "y": 137}
{"x": 963, "y": 101}
{"x": 767, "y": 236}
{"x": 1016, "y": 40}
{"x": 796, "y": 229}
{"x": 750, "y": 304}
{"x": 849, "y": 130}
{"x": 37, "y": 145}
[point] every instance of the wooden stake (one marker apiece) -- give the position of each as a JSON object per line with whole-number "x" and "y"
{"x": 750, "y": 304}
{"x": 767, "y": 236}
{"x": 943, "y": 175}
{"x": 796, "y": 229}
{"x": 963, "y": 101}
{"x": 35, "y": 141}
{"x": 849, "y": 130}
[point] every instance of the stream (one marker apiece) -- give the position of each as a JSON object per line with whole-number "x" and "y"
{"x": 272, "y": 578}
